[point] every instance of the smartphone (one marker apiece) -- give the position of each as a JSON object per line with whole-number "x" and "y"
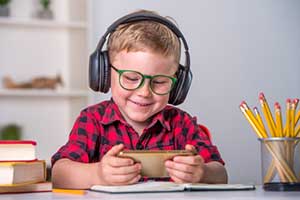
{"x": 153, "y": 160}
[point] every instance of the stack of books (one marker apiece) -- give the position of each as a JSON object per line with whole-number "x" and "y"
{"x": 20, "y": 170}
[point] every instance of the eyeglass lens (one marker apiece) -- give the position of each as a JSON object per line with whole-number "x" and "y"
{"x": 159, "y": 84}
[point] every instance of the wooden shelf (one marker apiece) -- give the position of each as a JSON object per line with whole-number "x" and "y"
{"x": 11, "y": 21}
{"x": 32, "y": 47}
{"x": 43, "y": 93}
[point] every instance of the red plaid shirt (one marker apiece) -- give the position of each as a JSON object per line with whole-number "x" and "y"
{"x": 101, "y": 126}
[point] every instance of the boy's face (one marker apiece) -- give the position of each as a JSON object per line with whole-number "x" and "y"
{"x": 137, "y": 106}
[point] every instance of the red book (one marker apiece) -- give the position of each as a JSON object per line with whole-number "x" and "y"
{"x": 17, "y": 150}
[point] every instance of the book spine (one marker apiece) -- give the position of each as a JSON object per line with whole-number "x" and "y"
{"x": 18, "y": 142}
{"x": 19, "y": 161}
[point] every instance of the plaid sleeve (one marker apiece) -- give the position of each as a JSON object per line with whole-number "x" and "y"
{"x": 82, "y": 141}
{"x": 192, "y": 133}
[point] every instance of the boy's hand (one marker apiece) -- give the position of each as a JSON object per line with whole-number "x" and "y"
{"x": 186, "y": 169}
{"x": 118, "y": 171}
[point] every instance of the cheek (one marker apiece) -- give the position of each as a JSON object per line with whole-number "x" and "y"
{"x": 118, "y": 93}
{"x": 113, "y": 84}
{"x": 115, "y": 88}
{"x": 163, "y": 100}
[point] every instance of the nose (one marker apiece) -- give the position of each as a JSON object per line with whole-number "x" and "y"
{"x": 144, "y": 90}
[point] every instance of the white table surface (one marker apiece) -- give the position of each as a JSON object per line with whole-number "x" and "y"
{"x": 257, "y": 194}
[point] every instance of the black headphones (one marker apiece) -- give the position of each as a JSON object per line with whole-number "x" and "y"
{"x": 100, "y": 67}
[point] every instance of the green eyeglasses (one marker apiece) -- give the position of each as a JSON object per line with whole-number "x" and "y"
{"x": 132, "y": 80}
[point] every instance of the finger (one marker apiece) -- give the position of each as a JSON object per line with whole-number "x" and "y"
{"x": 119, "y": 162}
{"x": 115, "y": 150}
{"x": 190, "y": 147}
{"x": 189, "y": 160}
{"x": 134, "y": 180}
{"x": 180, "y": 167}
{"x": 133, "y": 169}
{"x": 130, "y": 182}
{"x": 176, "y": 180}
{"x": 125, "y": 179}
{"x": 179, "y": 176}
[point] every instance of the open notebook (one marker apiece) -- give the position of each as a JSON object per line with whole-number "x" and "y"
{"x": 158, "y": 186}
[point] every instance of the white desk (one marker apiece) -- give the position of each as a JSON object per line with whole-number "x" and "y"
{"x": 257, "y": 194}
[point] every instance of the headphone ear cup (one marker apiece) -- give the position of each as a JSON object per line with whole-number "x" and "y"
{"x": 99, "y": 71}
{"x": 94, "y": 71}
{"x": 182, "y": 86}
{"x": 104, "y": 72}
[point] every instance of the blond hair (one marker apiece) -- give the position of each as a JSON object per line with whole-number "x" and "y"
{"x": 144, "y": 36}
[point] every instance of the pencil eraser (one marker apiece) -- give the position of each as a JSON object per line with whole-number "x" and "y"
{"x": 261, "y": 95}
{"x": 277, "y": 105}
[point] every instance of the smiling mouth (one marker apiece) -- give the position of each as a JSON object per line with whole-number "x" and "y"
{"x": 141, "y": 104}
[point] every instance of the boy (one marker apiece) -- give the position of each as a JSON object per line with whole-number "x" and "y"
{"x": 143, "y": 58}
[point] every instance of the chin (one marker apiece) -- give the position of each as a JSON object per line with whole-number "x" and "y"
{"x": 140, "y": 119}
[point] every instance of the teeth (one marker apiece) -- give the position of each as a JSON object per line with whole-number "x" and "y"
{"x": 140, "y": 104}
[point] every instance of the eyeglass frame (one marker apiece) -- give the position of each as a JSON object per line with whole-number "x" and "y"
{"x": 144, "y": 76}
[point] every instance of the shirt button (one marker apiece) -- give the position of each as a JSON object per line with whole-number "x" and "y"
{"x": 139, "y": 146}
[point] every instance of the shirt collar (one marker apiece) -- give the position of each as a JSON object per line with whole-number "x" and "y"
{"x": 112, "y": 114}
{"x": 161, "y": 117}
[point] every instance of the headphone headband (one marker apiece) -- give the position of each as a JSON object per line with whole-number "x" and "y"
{"x": 142, "y": 16}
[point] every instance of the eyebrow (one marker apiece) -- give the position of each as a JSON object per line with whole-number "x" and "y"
{"x": 142, "y": 73}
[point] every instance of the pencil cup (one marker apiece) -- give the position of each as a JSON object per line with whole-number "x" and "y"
{"x": 280, "y": 160}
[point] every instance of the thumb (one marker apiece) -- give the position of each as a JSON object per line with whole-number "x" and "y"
{"x": 190, "y": 147}
{"x": 115, "y": 150}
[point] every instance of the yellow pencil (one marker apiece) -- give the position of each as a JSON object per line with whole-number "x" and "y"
{"x": 296, "y": 101}
{"x": 297, "y": 131}
{"x": 267, "y": 113}
{"x": 68, "y": 191}
{"x": 251, "y": 122}
{"x": 297, "y": 117}
{"x": 279, "y": 130}
{"x": 259, "y": 119}
{"x": 253, "y": 119}
{"x": 292, "y": 115}
{"x": 287, "y": 120}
